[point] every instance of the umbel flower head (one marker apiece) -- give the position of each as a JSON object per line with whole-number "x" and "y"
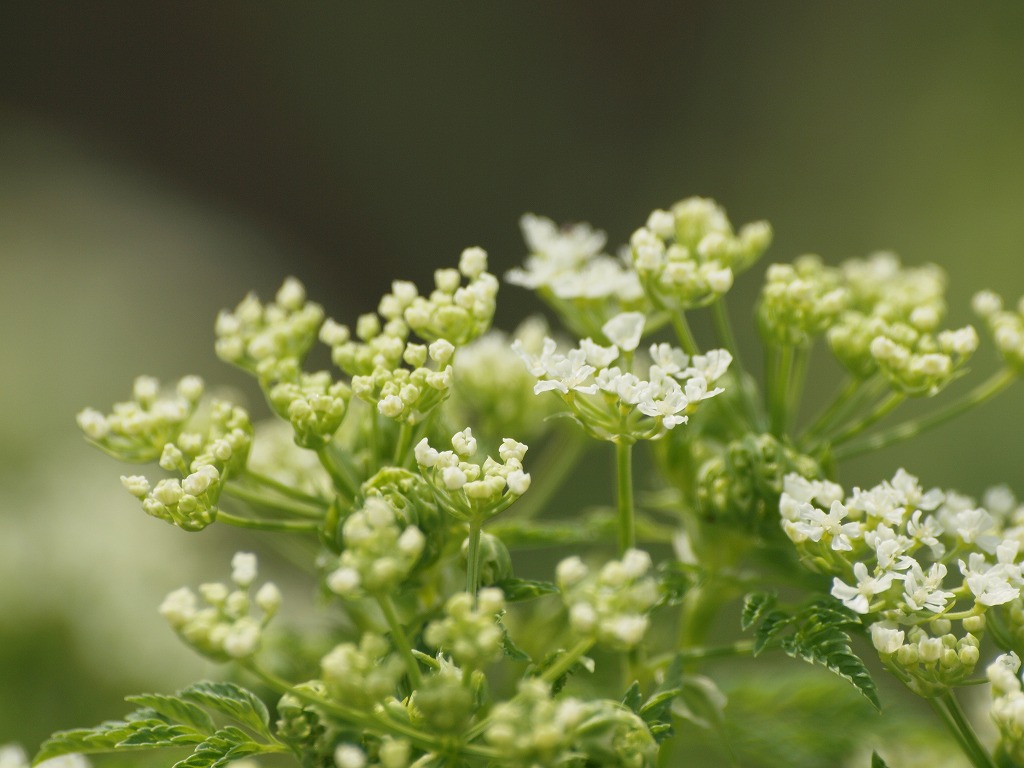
{"x": 608, "y": 399}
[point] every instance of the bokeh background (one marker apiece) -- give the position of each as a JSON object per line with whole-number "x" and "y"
{"x": 158, "y": 160}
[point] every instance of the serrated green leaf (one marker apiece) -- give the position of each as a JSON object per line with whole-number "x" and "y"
{"x": 177, "y": 710}
{"x": 509, "y": 647}
{"x": 877, "y": 761}
{"x": 161, "y": 735}
{"x": 231, "y": 700}
{"x": 221, "y": 748}
{"x": 517, "y": 590}
{"x": 633, "y": 698}
{"x": 773, "y": 624}
{"x": 699, "y": 701}
{"x": 754, "y": 606}
{"x": 105, "y": 737}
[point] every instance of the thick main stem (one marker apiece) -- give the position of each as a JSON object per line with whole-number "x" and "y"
{"x": 624, "y": 476}
{"x": 402, "y": 643}
{"x": 948, "y": 708}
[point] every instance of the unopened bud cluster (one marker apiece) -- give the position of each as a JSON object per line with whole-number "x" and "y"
{"x": 314, "y": 404}
{"x": 469, "y": 490}
{"x": 688, "y": 256}
{"x": 469, "y": 632}
{"x": 611, "y": 605}
{"x": 362, "y": 674}
{"x": 800, "y": 301}
{"x": 203, "y": 459}
{"x": 380, "y": 551}
{"x": 225, "y": 628}
{"x": 269, "y": 340}
{"x": 137, "y": 430}
{"x": 1006, "y": 327}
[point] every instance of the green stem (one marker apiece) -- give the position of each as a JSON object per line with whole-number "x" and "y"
{"x": 288, "y": 526}
{"x": 278, "y": 505}
{"x": 781, "y": 360}
{"x": 953, "y": 716}
{"x": 683, "y": 333}
{"x": 402, "y": 444}
{"x": 342, "y": 482}
{"x": 880, "y": 411}
{"x": 627, "y": 513}
{"x": 797, "y": 378}
{"x": 835, "y": 410}
{"x": 731, "y": 650}
{"x": 567, "y": 660}
{"x": 402, "y": 643}
{"x": 913, "y": 427}
{"x": 720, "y": 317}
{"x": 473, "y": 557}
{"x": 284, "y": 489}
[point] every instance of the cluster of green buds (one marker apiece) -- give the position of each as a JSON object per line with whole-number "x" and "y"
{"x": 689, "y": 255}
{"x": 1005, "y": 325}
{"x": 800, "y": 301}
{"x": 1007, "y": 708}
{"x": 314, "y": 404}
{"x": 884, "y": 331}
{"x": 611, "y": 605}
{"x": 224, "y": 628}
{"x": 534, "y": 729}
{"x": 137, "y": 430}
{"x": 389, "y": 753}
{"x": 741, "y": 481}
{"x": 380, "y": 551}
{"x": 568, "y": 268}
{"x": 404, "y": 380}
{"x": 269, "y": 340}
{"x": 930, "y": 571}
{"x": 362, "y": 675}
{"x": 469, "y": 632}
{"x": 471, "y": 491}
{"x": 611, "y": 402}
{"x": 203, "y": 459}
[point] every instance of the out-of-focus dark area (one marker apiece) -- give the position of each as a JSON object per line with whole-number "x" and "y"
{"x": 158, "y": 160}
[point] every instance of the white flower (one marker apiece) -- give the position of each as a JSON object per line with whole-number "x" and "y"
{"x": 886, "y": 637}
{"x": 858, "y": 598}
{"x": 921, "y": 591}
{"x": 990, "y": 584}
{"x": 813, "y": 523}
{"x": 625, "y": 330}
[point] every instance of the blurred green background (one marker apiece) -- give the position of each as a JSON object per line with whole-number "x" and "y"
{"x": 158, "y": 160}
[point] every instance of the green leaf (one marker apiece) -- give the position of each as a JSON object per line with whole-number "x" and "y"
{"x": 509, "y": 647}
{"x": 700, "y": 701}
{"x": 161, "y": 735}
{"x": 877, "y": 761}
{"x": 817, "y": 634}
{"x": 754, "y": 607}
{"x": 224, "y": 746}
{"x": 105, "y": 737}
{"x": 517, "y": 590}
{"x": 176, "y": 709}
{"x": 633, "y": 698}
{"x": 231, "y": 700}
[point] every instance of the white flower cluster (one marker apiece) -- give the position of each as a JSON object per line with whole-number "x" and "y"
{"x": 610, "y": 402}
{"x": 1007, "y": 708}
{"x": 568, "y": 268}
{"x": 137, "y": 430}
{"x": 380, "y": 552}
{"x": 689, "y": 255}
{"x": 800, "y": 301}
{"x": 315, "y": 405}
{"x": 269, "y": 340}
{"x": 1005, "y": 325}
{"x": 203, "y": 459}
{"x": 468, "y": 490}
{"x": 470, "y": 633}
{"x": 912, "y": 559}
{"x": 362, "y": 675}
{"x": 890, "y": 326}
{"x": 225, "y": 628}
{"x": 611, "y": 605}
